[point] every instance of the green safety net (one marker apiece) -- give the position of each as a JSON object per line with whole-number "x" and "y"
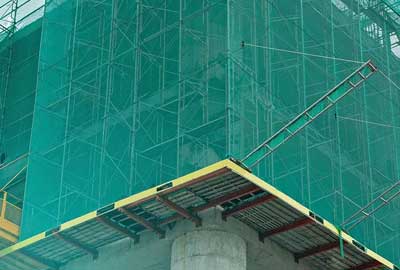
{"x": 131, "y": 94}
{"x": 20, "y": 32}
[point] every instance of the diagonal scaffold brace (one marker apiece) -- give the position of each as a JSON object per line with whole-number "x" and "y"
{"x": 305, "y": 118}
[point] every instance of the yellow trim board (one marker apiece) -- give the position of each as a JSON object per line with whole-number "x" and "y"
{"x": 224, "y": 164}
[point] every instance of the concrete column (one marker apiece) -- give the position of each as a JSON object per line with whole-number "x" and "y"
{"x": 208, "y": 249}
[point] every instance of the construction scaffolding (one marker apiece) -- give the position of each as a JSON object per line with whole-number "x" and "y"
{"x": 116, "y": 96}
{"x": 19, "y": 50}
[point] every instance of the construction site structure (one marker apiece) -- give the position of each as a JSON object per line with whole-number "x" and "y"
{"x": 215, "y": 130}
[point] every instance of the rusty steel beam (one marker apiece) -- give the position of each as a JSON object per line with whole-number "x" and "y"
{"x": 366, "y": 266}
{"x": 316, "y": 250}
{"x": 291, "y": 226}
{"x": 247, "y": 205}
{"x": 142, "y": 221}
{"x": 180, "y": 210}
{"x": 212, "y": 203}
{"x": 228, "y": 197}
{"x": 163, "y": 192}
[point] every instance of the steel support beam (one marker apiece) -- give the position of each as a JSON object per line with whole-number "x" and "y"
{"x": 247, "y": 205}
{"x": 229, "y": 197}
{"x": 181, "y": 211}
{"x": 366, "y": 266}
{"x": 291, "y": 226}
{"x": 220, "y": 200}
{"x": 77, "y": 244}
{"x": 316, "y": 250}
{"x": 142, "y": 221}
{"x": 164, "y": 192}
{"x": 118, "y": 228}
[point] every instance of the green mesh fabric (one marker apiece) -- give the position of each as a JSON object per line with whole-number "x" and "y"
{"x": 131, "y": 94}
{"x": 20, "y": 32}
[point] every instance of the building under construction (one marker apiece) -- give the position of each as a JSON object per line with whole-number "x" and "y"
{"x": 199, "y": 134}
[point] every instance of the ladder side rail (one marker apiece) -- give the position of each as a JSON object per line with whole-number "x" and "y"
{"x": 375, "y": 210}
{"x": 362, "y": 210}
{"x": 370, "y": 203}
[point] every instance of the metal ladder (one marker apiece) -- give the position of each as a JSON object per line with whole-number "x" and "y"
{"x": 387, "y": 196}
{"x": 324, "y": 103}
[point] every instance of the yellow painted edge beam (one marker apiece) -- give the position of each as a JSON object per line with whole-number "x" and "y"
{"x": 77, "y": 221}
{"x": 22, "y": 244}
{"x": 121, "y": 203}
{"x": 291, "y": 202}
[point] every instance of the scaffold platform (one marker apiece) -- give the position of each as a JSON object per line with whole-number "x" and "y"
{"x": 240, "y": 193}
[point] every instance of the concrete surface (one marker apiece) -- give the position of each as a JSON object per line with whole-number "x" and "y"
{"x": 208, "y": 249}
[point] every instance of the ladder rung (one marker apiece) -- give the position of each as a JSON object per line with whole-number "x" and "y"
{"x": 362, "y": 75}
{"x": 330, "y": 100}
{"x": 291, "y": 133}
{"x": 267, "y": 146}
{"x": 365, "y": 214}
{"x": 372, "y": 67}
{"x": 352, "y": 84}
{"x": 309, "y": 115}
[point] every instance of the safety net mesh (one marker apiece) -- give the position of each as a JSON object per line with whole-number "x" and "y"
{"x": 131, "y": 94}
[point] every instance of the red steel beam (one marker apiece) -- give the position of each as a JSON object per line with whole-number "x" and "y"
{"x": 366, "y": 266}
{"x": 220, "y": 200}
{"x": 180, "y": 210}
{"x": 316, "y": 250}
{"x": 205, "y": 178}
{"x": 298, "y": 223}
{"x": 244, "y": 206}
{"x": 229, "y": 197}
{"x": 142, "y": 221}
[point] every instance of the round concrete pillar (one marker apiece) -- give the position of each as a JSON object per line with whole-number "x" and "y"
{"x": 207, "y": 250}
